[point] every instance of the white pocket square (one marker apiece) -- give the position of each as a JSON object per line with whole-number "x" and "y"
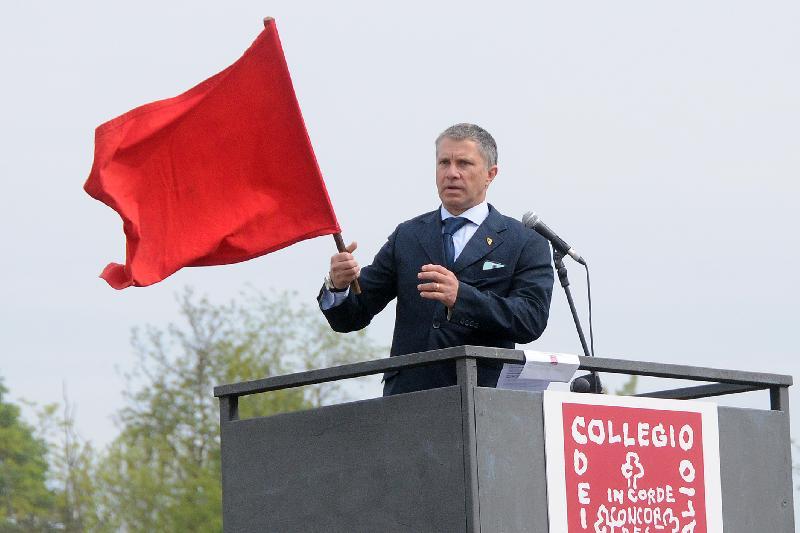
{"x": 490, "y": 265}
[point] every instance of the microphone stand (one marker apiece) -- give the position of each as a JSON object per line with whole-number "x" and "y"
{"x": 580, "y": 384}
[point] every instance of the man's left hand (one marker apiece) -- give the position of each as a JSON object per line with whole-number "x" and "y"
{"x": 441, "y": 285}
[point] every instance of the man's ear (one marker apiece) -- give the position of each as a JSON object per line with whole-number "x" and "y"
{"x": 491, "y": 174}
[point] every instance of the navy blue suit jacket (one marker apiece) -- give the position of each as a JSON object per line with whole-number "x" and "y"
{"x": 497, "y": 306}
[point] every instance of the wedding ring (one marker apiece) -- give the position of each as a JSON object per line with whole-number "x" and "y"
{"x": 437, "y": 287}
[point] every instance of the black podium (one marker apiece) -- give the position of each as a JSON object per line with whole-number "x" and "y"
{"x": 463, "y": 458}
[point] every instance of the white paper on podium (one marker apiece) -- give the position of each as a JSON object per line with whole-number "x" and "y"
{"x": 540, "y": 369}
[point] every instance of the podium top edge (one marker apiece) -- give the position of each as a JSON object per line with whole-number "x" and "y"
{"x": 505, "y": 355}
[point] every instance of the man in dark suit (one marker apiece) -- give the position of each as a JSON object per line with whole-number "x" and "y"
{"x": 462, "y": 274}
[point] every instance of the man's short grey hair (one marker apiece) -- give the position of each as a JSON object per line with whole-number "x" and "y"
{"x": 472, "y": 132}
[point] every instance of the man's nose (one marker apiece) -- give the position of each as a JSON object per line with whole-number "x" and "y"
{"x": 452, "y": 171}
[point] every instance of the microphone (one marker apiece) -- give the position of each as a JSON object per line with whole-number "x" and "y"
{"x": 588, "y": 383}
{"x": 580, "y": 384}
{"x": 531, "y": 220}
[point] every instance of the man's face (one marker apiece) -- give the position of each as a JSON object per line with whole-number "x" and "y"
{"x": 462, "y": 176}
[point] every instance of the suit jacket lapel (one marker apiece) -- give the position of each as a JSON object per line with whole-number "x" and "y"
{"x": 429, "y": 235}
{"x": 488, "y": 237}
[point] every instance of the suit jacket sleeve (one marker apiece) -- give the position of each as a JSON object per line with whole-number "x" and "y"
{"x": 378, "y": 287}
{"x": 521, "y": 314}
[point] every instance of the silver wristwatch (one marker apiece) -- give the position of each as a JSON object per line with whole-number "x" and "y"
{"x": 329, "y": 285}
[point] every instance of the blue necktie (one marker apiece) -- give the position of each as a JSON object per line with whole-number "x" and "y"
{"x": 450, "y": 226}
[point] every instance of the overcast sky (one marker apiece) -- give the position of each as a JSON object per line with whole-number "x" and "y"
{"x": 660, "y": 139}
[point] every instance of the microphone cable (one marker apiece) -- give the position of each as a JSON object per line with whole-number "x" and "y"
{"x": 589, "y": 298}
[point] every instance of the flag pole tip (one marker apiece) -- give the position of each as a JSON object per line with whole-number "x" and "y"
{"x": 268, "y": 20}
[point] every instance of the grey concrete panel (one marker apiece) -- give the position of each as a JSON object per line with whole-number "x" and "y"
{"x": 387, "y": 464}
{"x": 756, "y": 463}
{"x": 511, "y": 461}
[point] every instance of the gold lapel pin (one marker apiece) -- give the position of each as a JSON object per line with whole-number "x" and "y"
{"x": 489, "y": 241}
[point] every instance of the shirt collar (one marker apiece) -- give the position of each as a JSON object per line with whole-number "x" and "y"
{"x": 475, "y": 214}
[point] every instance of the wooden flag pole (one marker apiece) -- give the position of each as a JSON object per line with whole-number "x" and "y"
{"x": 354, "y": 286}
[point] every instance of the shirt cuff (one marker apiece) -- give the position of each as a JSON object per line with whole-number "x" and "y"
{"x": 329, "y": 299}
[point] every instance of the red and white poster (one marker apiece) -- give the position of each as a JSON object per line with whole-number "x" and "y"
{"x": 631, "y": 465}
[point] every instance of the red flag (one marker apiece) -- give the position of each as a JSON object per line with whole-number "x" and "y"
{"x": 223, "y": 173}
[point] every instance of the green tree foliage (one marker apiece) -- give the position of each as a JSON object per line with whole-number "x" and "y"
{"x": 26, "y": 503}
{"x": 629, "y": 387}
{"x": 72, "y": 466}
{"x": 162, "y": 473}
